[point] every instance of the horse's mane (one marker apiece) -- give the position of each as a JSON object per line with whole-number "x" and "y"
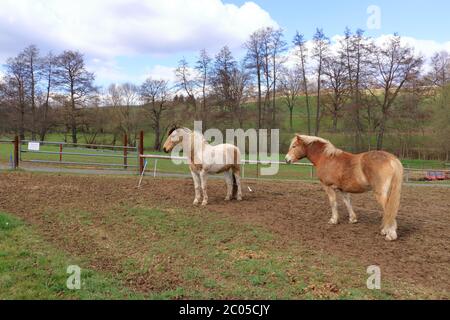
{"x": 329, "y": 150}
{"x": 175, "y": 127}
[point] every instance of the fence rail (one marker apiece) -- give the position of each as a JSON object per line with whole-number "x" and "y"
{"x": 69, "y": 153}
{"x": 73, "y": 153}
{"x": 410, "y": 174}
{"x": 92, "y": 146}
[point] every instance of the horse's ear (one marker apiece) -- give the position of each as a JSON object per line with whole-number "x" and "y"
{"x": 299, "y": 138}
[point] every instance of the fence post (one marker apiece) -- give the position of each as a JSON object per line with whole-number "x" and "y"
{"x": 16, "y": 152}
{"x": 141, "y": 151}
{"x": 154, "y": 169}
{"x": 60, "y": 152}
{"x": 125, "y": 151}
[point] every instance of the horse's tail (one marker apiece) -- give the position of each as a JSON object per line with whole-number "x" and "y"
{"x": 236, "y": 170}
{"x": 393, "y": 201}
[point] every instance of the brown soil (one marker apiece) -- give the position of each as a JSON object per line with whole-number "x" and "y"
{"x": 298, "y": 212}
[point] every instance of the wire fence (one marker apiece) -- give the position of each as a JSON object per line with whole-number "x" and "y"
{"x": 121, "y": 157}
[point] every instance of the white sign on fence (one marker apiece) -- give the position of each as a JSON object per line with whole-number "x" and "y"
{"x": 33, "y": 146}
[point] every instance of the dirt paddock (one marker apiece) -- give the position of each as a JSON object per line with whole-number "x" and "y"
{"x": 295, "y": 211}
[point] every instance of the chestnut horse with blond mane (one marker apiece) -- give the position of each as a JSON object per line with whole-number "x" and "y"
{"x": 348, "y": 173}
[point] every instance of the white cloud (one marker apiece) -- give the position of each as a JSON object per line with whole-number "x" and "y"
{"x": 160, "y": 72}
{"x": 109, "y": 28}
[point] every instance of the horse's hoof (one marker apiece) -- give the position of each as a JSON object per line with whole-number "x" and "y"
{"x": 353, "y": 220}
{"x": 227, "y": 198}
{"x": 239, "y": 198}
{"x": 383, "y": 232}
{"x": 391, "y": 236}
{"x": 195, "y": 202}
{"x": 332, "y": 221}
{"x": 204, "y": 203}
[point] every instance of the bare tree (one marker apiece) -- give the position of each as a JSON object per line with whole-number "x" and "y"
{"x": 186, "y": 83}
{"x": 290, "y": 87}
{"x": 265, "y": 36}
{"x": 203, "y": 67}
{"x": 74, "y": 80}
{"x": 355, "y": 52}
{"x": 238, "y": 83}
{"x": 224, "y": 65}
{"x": 15, "y": 89}
{"x": 30, "y": 56}
{"x": 124, "y": 99}
{"x": 277, "y": 48}
{"x": 320, "y": 50}
{"x": 254, "y": 61}
{"x": 440, "y": 73}
{"x": 46, "y": 70}
{"x": 302, "y": 54}
{"x": 155, "y": 94}
{"x": 394, "y": 65}
{"x": 336, "y": 85}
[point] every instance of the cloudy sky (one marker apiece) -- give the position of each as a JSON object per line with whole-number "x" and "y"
{"x": 129, "y": 40}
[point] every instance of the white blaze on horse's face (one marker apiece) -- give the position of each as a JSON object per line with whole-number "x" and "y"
{"x": 296, "y": 150}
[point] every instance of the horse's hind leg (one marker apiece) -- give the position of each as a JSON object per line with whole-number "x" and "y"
{"x": 229, "y": 182}
{"x": 348, "y": 204}
{"x": 237, "y": 181}
{"x": 197, "y": 185}
{"x": 204, "y": 181}
{"x": 332, "y": 197}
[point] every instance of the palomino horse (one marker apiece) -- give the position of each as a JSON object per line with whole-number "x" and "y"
{"x": 204, "y": 159}
{"x": 379, "y": 171}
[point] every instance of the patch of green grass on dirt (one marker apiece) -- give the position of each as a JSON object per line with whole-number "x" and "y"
{"x": 203, "y": 256}
{"x": 30, "y": 268}
{"x": 171, "y": 253}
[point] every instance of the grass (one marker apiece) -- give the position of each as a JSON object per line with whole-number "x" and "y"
{"x": 192, "y": 254}
{"x": 31, "y": 268}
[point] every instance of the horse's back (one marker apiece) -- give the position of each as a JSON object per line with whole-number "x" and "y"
{"x": 223, "y": 157}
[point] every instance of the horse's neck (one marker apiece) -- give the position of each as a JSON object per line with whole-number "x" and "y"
{"x": 195, "y": 146}
{"x": 314, "y": 152}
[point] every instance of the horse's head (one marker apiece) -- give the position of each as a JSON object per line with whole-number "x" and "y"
{"x": 174, "y": 137}
{"x": 297, "y": 150}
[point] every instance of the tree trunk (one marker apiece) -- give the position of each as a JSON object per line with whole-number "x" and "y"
{"x": 74, "y": 130}
{"x": 335, "y": 120}
{"x": 22, "y": 124}
{"x": 33, "y": 102}
{"x": 259, "y": 95}
{"x": 380, "y": 135}
{"x": 290, "y": 118}
{"x": 317, "y": 129}
{"x": 157, "y": 142}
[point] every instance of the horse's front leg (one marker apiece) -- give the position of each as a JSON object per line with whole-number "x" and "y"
{"x": 348, "y": 204}
{"x": 204, "y": 182}
{"x": 196, "y": 178}
{"x": 332, "y": 197}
